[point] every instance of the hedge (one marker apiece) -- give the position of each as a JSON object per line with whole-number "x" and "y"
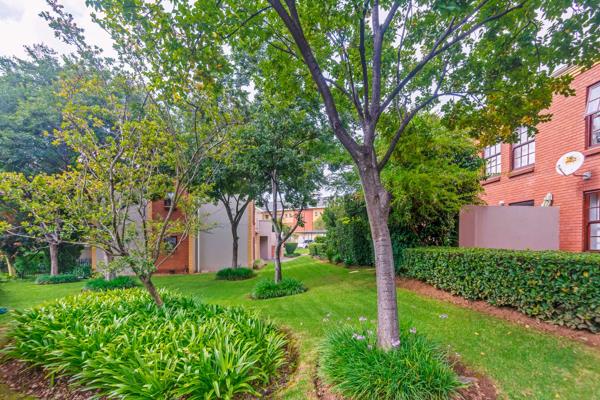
{"x": 559, "y": 287}
{"x": 56, "y": 279}
{"x": 290, "y": 248}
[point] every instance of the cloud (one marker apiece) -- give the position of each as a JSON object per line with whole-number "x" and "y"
{"x": 22, "y": 26}
{"x": 11, "y": 11}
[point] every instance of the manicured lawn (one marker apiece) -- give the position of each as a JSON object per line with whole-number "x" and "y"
{"x": 524, "y": 364}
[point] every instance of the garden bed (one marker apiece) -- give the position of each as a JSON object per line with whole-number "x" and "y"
{"x": 119, "y": 343}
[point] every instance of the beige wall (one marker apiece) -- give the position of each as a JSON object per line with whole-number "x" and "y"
{"x": 509, "y": 227}
{"x": 213, "y": 248}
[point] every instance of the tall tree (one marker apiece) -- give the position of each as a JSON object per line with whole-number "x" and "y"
{"x": 489, "y": 60}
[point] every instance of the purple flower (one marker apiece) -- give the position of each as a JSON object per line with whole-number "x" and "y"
{"x": 362, "y": 319}
{"x": 396, "y": 343}
{"x": 357, "y": 336}
{"x": 443, "y": 316}
{"x": 413, "y": 330}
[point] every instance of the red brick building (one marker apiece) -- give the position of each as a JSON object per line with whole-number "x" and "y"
{"x": 524, "y": 173}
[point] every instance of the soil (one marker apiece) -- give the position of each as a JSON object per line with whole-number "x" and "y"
{"x": 479, "y": 387}
{"x": 33, "y": 381}
{"x": 506, "y": 313}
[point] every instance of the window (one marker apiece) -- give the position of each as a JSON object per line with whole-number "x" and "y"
{"x": 593, "y": 220}
{"x": 491, "y": 155}
{"x": 171, "y": 242}
{"x": 528, "y": 203}
{"x": 523, "y": 151}
{"x": 592, "y": 112}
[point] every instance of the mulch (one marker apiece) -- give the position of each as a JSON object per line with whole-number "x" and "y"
{"x": 506, "y": 313}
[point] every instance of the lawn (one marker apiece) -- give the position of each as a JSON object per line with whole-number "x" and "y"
{"x": 524, "y": 364}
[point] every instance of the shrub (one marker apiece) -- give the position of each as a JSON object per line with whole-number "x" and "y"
{"x": 560, "y": 287}
{"x": 267, "y": 289}
{"x": 120, "y": 282}
{"x": 55, "y": 279}
{"x": 83, "y": 270}
{"x": 120, "y": 343}
{"x": 317, "y": 250}
{"x": 351, "y": 363}
{"x": 235, "y": 274}
{"x": 290, "y": 248}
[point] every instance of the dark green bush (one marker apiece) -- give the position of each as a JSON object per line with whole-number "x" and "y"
{"x": 290, "y": 248}
{"x": 120, "y": 282}
{"x": 351, "y": 363}
{"x": 235, "y": 274}
{"x": 55, "y": 279}
{"x": 267, "y": 289}
{"x": 317, "y": 250}
{"x": 121, "y": 344}
{"x": 560, "y": 287}
{"x": 83, "y": 270}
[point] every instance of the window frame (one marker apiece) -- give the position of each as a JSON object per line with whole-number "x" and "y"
{"x": 587, "y": 220}
{"x": 515, "y": 146}
{"x": 590, "y": 117}
{"x": 523, "y": 203}
{"x": 495, "y": 155}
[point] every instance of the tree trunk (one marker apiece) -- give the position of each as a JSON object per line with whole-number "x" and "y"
{"x": 11, "y": 269}
{"x": 149, "y": 285}
{"x": 378, "y": 207}
{"x": 53, "y": 259}
{"x": 278, "y": 274}
{"x": 108, "y": 274}
{"x": 234, "y": 249}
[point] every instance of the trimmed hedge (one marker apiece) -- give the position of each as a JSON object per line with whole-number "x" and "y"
{"x": 317, "y": 250}
{"x": 268, "y": 289}
{"x": 290, "y": 248}
{"x": 55, "y": 279}
{"x": 234, "y": 274}
{"x": 120, "y": 282}
{"x": 559, "y": 287}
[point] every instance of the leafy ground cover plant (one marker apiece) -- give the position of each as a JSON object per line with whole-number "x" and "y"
{"x": 55, "y": 279}
{"x": 415, "y": 369}
{"x": 235, "y": 274}
{"x": 120, "y": 282}
{"x": 120, "y": 343}
{"x": 559, "y": 287}
{"x": 267, "y": 289}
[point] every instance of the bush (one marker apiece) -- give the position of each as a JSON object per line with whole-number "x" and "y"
{"x": 83, "y": 270}
{"x": 55, "y": 279}
{"x": 317, "y": 250}
{"x": 560, "y": 287}
{"x": 267, "y": 289}
{"x": 120, "y": 343}
{"x": 290, "y": 248}
{"x": 120, "y": 282}
{"x": 235, "y": 274}
{"x": 351, "y": 363}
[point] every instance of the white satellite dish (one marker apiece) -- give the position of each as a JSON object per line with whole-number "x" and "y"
{"x": 570, "y": 162}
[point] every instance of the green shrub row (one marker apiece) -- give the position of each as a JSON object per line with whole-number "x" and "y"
{"x": 267, "y": 288}
{"x": 351, "y": 362}
{"x": 55, "y": 279}
{"x": 120, "y": 282}
{"x": 119, "y": 343}
{"x": 235, "y": 274}
{"x": 559, "y": 287}
{"x": 317, "y": 250}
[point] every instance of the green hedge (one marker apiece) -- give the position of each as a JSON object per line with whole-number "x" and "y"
{"x": 55, "y": 279}
{"x": 560, "y": 287}
{"x": 234, "y": 274}
{"x": 290, "y": 248}
{"x": 120, "y": 282}
{"x": 317, "y": 250}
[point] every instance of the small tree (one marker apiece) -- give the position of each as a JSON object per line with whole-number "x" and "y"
{"x": 138, "y": 160}
{"x": 288, "y": 157}
{"x": 43, "y": 199}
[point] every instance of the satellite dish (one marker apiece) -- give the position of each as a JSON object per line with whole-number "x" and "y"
{"x": 570, "y": 162}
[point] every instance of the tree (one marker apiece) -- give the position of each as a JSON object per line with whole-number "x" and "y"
{"x": 285, "y": 152}
{"x": 139, "y": 159}
{"x": 43, "y": 200}
{"x": 372, "y": 61}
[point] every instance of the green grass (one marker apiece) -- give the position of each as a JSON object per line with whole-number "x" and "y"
{"x": 524, "y": 363}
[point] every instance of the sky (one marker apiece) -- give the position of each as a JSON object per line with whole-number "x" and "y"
{"x": 20, "y": 25}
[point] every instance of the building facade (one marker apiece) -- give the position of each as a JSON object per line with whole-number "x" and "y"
{"x": 524, "y": 173}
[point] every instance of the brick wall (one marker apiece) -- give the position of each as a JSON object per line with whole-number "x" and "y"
{"x": 178, "y": 261}
{"x": 565, "y": 132}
